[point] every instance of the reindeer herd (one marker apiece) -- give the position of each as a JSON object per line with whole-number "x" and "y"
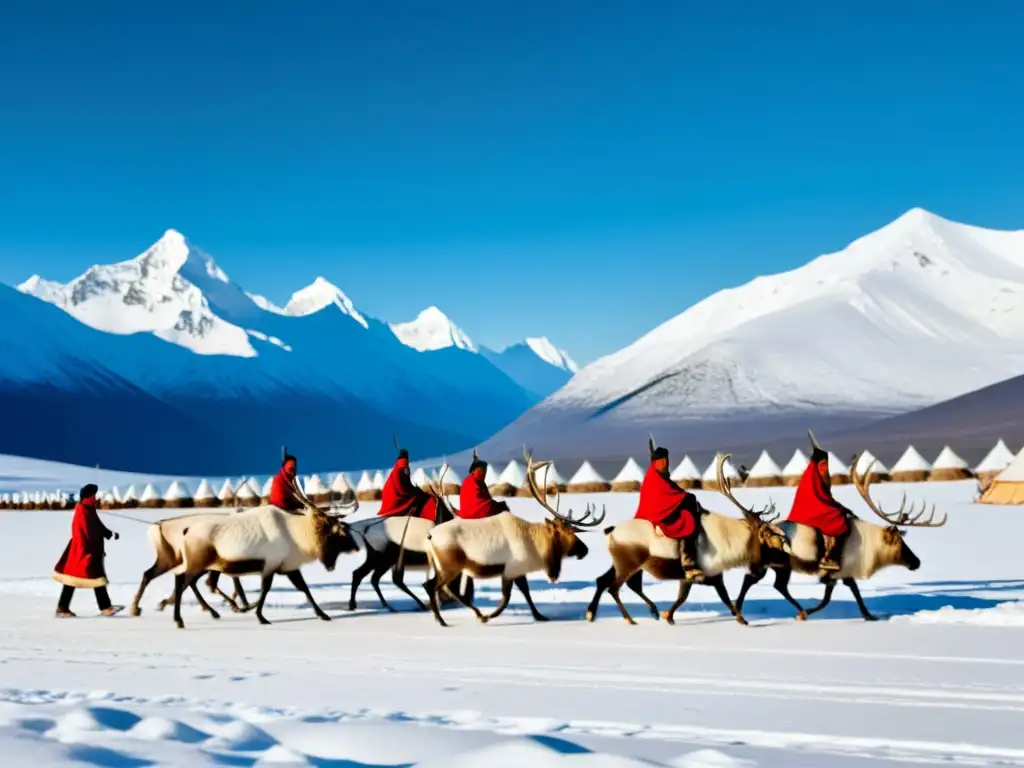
{"x": 268, "y": 541}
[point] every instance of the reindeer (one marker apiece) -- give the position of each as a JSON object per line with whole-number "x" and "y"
{"x": 264, "y": 540}
{"x": 724, "y": 543}
{"x": 167, "y": 536}
{"x": 868, "y": 549}
{"x": 507, "y": 546}
{"x": 397, "y": 543}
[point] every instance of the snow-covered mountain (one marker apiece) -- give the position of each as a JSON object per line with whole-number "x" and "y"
{"x": 536, "y": 364}
{"x": 920, "y": 311}
{"x": 432, "y": 330}
{"x": 177, "y": 329}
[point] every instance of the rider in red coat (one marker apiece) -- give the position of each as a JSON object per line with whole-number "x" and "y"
{"x": 813, "y": 505}
{"x": 671, "y": 509}
{"x": 81, "y": 565}
{"x": 401, "y": 497}
{"x": 282, "y": 490}
{"x": 475, "y": 502}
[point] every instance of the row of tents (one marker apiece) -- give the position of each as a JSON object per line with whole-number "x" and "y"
{"x": 511, "y": 481}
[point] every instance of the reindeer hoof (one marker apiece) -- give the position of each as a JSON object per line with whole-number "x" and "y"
{"x": 351, "y": 605}
{"x": 741, "y": 620}
{"x": 590, "y": 616}
{"x": 134, "y": 611}
{"x": 631, "y": 622}
{"x": 263, "y": 620}
{"x": 214, "y": 614}
{"x": 802, "y": 616}
{"x": 870, "y": 617}
{"x": 540, "y": 617}
{"x": 179, "y": 623}
{"x": 323, "y": 616}
{"x": 161, "y": 605}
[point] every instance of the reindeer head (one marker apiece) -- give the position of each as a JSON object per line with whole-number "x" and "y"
{"x": 563, "y": 530}
{"x": 894, "y": 546}
{"x": 336, "y": 539}
{"x": 765, "y": 533}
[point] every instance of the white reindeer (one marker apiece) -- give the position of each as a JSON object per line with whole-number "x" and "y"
{"x": 724, "y": 543}
{"x": 506, "y": 546}
{"x": 868, "y": 548}
{"x": 264, "y": 540}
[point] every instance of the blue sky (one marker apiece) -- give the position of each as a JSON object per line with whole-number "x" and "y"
{"x": 583, "y": 170}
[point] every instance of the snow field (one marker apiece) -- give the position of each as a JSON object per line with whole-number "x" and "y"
{"x": 940, "y": 681}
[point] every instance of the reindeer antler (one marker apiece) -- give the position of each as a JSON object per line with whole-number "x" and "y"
{"x": 437, "y": 491}
{"x": 394, "y": 439}
{"x": 903, "y": 517}
{"x": 762, "y": 516}
{"x": 588, "y": 520}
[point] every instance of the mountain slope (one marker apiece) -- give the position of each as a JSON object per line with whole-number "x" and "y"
{"x": 919, "y": 311}
{"x": 536, "y": 365}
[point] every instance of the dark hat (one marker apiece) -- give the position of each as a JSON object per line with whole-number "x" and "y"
{"x": 477, "y": 464}
{"x": 288, "y": 457}
{"x": 817, "y": 453}
{"x": 659, "y": 453}
{"x": 403, "y": 454}
{"x": 88, "y": 491}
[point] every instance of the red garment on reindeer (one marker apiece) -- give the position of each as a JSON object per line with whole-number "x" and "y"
{"x": 401, "y": 497}
{"x": 81, "y": 565}
{"x": 662, "y": 503}
{"x": 282, "y": 491}
{"x": 475, "y": 501}
{"x": 813, "y": 505}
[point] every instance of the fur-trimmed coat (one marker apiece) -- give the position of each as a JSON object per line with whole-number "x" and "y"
{"x": 81, "y": 565}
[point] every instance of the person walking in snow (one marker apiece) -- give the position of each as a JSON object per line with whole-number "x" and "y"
{"x": 81, "y": 565}
{"x": 282, "y": 489}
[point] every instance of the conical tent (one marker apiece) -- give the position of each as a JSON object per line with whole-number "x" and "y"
{"x": 794, "y": 469}
{"x": 316, "y": 491}
{"x": 765, "y": 473}
{"x": 341, "y": 486}
{"x": 262, "y": 492}
{"x": 868, "y": 466}
{"x": 550, "y": 479}
{"x": 491, "y": 476}
{"x": 912, "y": 467}
{"x": 204, "y": 496}
{"x": 629, "y": 479}
{"x": 686, "y": 474}
{"x": 838, "y": 471}
{"x": 510, "y": 481}
{"x": 150, "y": 499}
{"x": 226, "y": 494}
{"x": 365, "y": 489}
{"x": 998, "y": 459}
{"x": 130, "y": 498}
{"x": 1008, "y": 486}
{"x": 949, "y": 466}
{"x": 420, "y": 478}
{"x": 177, "y": 496}
{"x": 246, "y": 495}
{"x": 709, "y": 481}
{"x": 587, "y": 480}
{"x": 450, "y": 479}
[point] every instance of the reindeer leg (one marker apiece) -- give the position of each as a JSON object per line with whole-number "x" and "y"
{"x": 212, "y": 584}
{"x": 433, "y": 588}
{"x": 398, "y": 578}
{"x": 268, "y": 579}
{"x": 240, "y": 594}
{"x": 506, "y": 595}
{"x": 830, "y": 587}
{"x": 524, "y": 587}
{"x": 378, "y": 573}
{"x": 852, "y": 585}
{"x": 636, "y": 583}
{"x": 604, "y": 581}
{"x": 684, "y": 592}
{"x": 613, "y": 590}
{"x": 153, "y": 572}
{"x": 295, "y": 577}
{"x": 357, "y": 577}
{"x": 461, "y": 599}
{"x": 179, "y": 587}
{"x": 718, "y": 582}
{"x": 782, "y": 577}
{"x": 199, "y": 596}
{"x": 750, "y": 578}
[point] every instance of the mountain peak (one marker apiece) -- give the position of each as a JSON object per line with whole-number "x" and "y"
{"x": 549, "y": 353}
{"x": 431, "y": 330}
{"x": 319, "y": 294}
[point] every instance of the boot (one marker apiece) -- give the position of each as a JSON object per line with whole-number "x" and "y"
{"x": 63, "y": 613}
{"x": 827, "y": 562}
{"x": 112, "y": 610}
{"x": 688, "y": 555}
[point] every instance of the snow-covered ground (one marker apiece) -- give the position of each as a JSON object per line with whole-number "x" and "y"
{"x": 939, "y": 680}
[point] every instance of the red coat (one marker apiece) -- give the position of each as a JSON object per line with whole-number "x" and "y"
{"x": 81, "y": 565}
{"x": 282, "y": 492}
{"x": 401, "y": 497}
{"x": 813, "y": 505}
{"x": 662, "y": 503}
{"x": 475, "y": 502}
